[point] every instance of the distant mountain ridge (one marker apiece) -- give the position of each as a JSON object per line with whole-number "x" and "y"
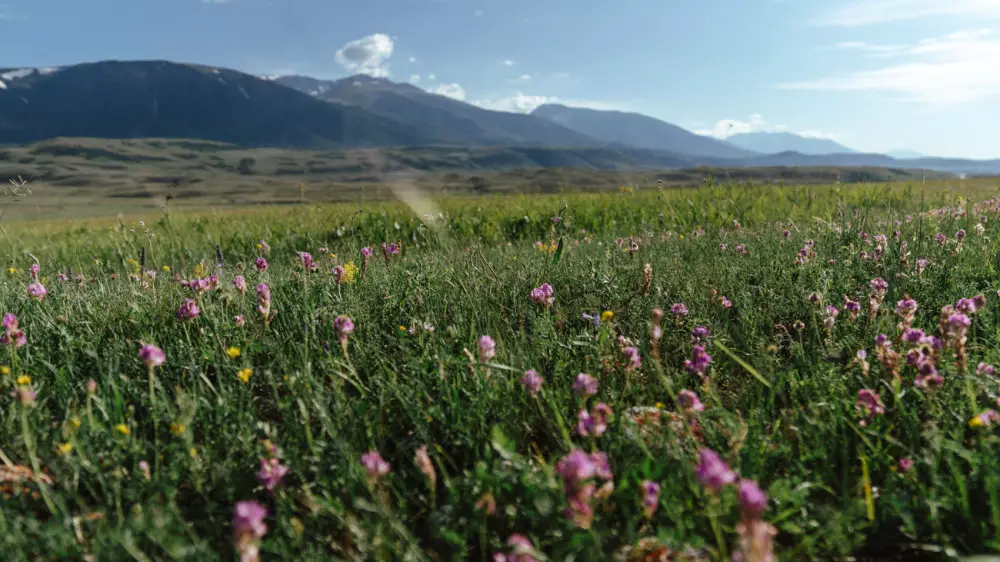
{"x": 641, "y": 131}
{"x": 780, "y": 141}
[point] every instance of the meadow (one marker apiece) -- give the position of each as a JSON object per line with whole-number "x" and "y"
{"x": 715, "y": 373}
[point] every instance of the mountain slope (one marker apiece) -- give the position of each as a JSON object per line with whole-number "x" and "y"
{"x": 452, "y": 120}
{"x": 637, "y": 130}
{"x": 138, "y": 99}
{"x": 777, "y": 142}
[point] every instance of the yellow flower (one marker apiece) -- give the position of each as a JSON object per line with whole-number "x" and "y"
{"x": 123, "y": 429}
{"x": 350, "y": 272}
{"x": 199, "y": 270}
{"x": 244, "y": 375}
{"x": 12, "y": 270}
{"x": 166, "y": 268}
{"x": 65, "y": 448}
{"x": 194, "y": 453}
{"x": 402, "y": 328}
{"x": 23, "y": 380}
{"x": 660, "y": 406}
{"x": 260, "y": 246}
{"x": 133, "y": 261}
{"x": 177, "y": 428}
{"x": 75, "y": 422}
{"x": 976, "y": 422}
{"x": 4, "y": 369}
{"x": 607, "y": 315}
{"x": 233, "y": 352}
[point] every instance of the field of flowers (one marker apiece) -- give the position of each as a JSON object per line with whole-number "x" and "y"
{"x": 720, "y": 373}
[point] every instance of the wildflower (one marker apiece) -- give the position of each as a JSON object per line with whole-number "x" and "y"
{"x": 239, "y": 320}
{"x": 177, "y": 428}
{"x": 261, "y": 264}
{"x": 521, "y": 549}
{"x": 741, "y": 249}
{"x": 188, "y": 310}
{"x": 595, "y": 422}
{"x": 679, "y": 309}
{"x": 756, "y": 541}
{"x": 12, "y": 335}
{"x": 543, "y": 296}
{"x": 4, "y": 370}
{"x": 123, "y": 429}
{"x": 906, "y": 309}
{"x": 700, "y": 334}
{"x": 264, "y": 301}
{"x": 713, "y": 472}
{"x": 870, "y": 404}
{"x": 922, "y": 265}
{"x": 650, "y": 497}
{"x": 607, "y": 315}
{"x": 487, "y": 349}
{"x": 240, "y": 283}
{"x": 585, "y": 385}
{"x": 699, "y": 362}
{"x": 966, "y": 306}
{"x": 375, "y": 465}
{"x": 632, "y": 357}
{"x": 65, "y": 448}
{"x": 389, "y": 250}
{"x": 152, "y": 356}
{"x": 986, "y": 369}
{"x": 532, "y": 382}
{"x": 815, "y": 298}
{"x": 577, "y": 470}
{"x": 656, "y": 332}
{"x": 905, "y": 464}
{"x": 37, "y": 291}
{"x": 831, "y": 317}
{"x": 423, "y": 461}
{"x": 960, "y": 235}
{"x": 244, "y": 374}
{"x": 23, "y": 380}
{"x": 248, "y": 529}
{"x": 689, "y": 401}
{"x": 233, "y": 352}
{"x": 25, "y": 395}
{"x": 725, "y": 302}
{"x": 166, "y": 268}
{"x": 91, "y": 386}
{"x": 33, "y": 270}
{"x": 271, "y": 473}
{"x": 344, "y": 326}
{"x": 264, "y": 248}
{"x": 595, "y": 319}
{"x": 753, "y": 500}
{"x": 879, "y": 286}
{"x": 647, "y": 278}
{"x": 307, "y": 261}
{"x": 338, "y": 273}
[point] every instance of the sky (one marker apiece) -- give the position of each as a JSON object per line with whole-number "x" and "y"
{"x": 875, "y": 75}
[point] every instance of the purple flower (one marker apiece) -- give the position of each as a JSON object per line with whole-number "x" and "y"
{"x": 699, "y": 362}
{"x": 307, "y": 260}
{"x": 713, "y": 472}
{"x": 879, "y": 286}
{"x": 261, "y": 264}
{"x": 634, "y": 360}
{"x": 585, "y": 385}
{"x": 689, "y": 401}
{"x": 521, "y": 549}
{"x": 967, "y": 306}
{"x": 264, "y": 301}
{"x": 700, "y": 334}
{"x": 338, "y": 272}
{"x": 914, "y": 336}
{"x": 152, "y": 356}
{"x": 248, "y": 520}
{"x": 532, "y": 382}
{"x": 390, "y": 249}
{"x": 869, "y": 403}
{"x": 922, "y": 264}
{"x": 375, "y": 465}
{"x": 725, "y": 302}
{"x": 753, "y": 500}
{"x": 34, "y": 270}
{"x": 12, "y": 335}
{"x": 240, "y": 283}
{"x": 189, "y": 310}
{"x": 679, "y": 309}
{"x": 593, "y": 319}
{"x": 543, "y": 296}
{"x": 650, "y": 496}
{"x": 239, "y": 320}
{"x": 905, "y": 464}
{"x": 487, "y": 349}
{"x": 741, "y": 249}
{"x": 271, "y": 473}
{"x": 960, "y": 235}
{"x": 344, "y": 326}
{"x": 576, "y": 468}
{"x": 986, "y": 369}
{"x": 595, "y": 422}
{"x": 37, "y": 291}
{"x": 366, "y": 252}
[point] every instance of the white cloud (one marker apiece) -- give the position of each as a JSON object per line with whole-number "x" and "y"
{"x": 452, "y": 90}
{"x": 432, "y": 76}
{"x": 412, "y": 59}
{"x": 867, "y": 12}
{"x": 955, "y": 68}
{"x": 524, "y": 78}
{"x": 756, "y": 124}
{"x": 525, "y": 103}
{"x": 414, "y": 79}
{"x": 368, "y": 55}
{"x": 508, "y": 62}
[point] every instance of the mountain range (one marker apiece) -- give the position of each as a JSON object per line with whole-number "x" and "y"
{"x": 144, "y": 99}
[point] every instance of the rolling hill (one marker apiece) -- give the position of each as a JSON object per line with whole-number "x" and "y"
{"x": 640, "y": 131}
{"x": 778, "y": 142}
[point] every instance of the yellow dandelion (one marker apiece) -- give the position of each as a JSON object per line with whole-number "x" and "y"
{"x": 660, "y": 406}
{"x": 12, "y": 270}
{"x": 233, "y": 352}
{"x": 23, "y": 380}
{"x": 123, "y": 429}
{"x": 607, "y": 315}
{"x": 4, "y": 370}
{"x": 166, "y": 268}
{"x": 177, "y": 428}
{"x": 402, "y": 328}
{"x": 244, "y": 375}
{"x": 976, "y": 422}
{"x": 65, "y": 448}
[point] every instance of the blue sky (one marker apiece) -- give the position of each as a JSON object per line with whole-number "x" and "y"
{"x": 874, "y": 74}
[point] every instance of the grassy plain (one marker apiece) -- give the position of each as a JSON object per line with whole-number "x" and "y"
{"x": 149, "y": 463}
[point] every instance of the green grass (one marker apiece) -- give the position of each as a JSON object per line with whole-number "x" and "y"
{"x": 779, "y": 399}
